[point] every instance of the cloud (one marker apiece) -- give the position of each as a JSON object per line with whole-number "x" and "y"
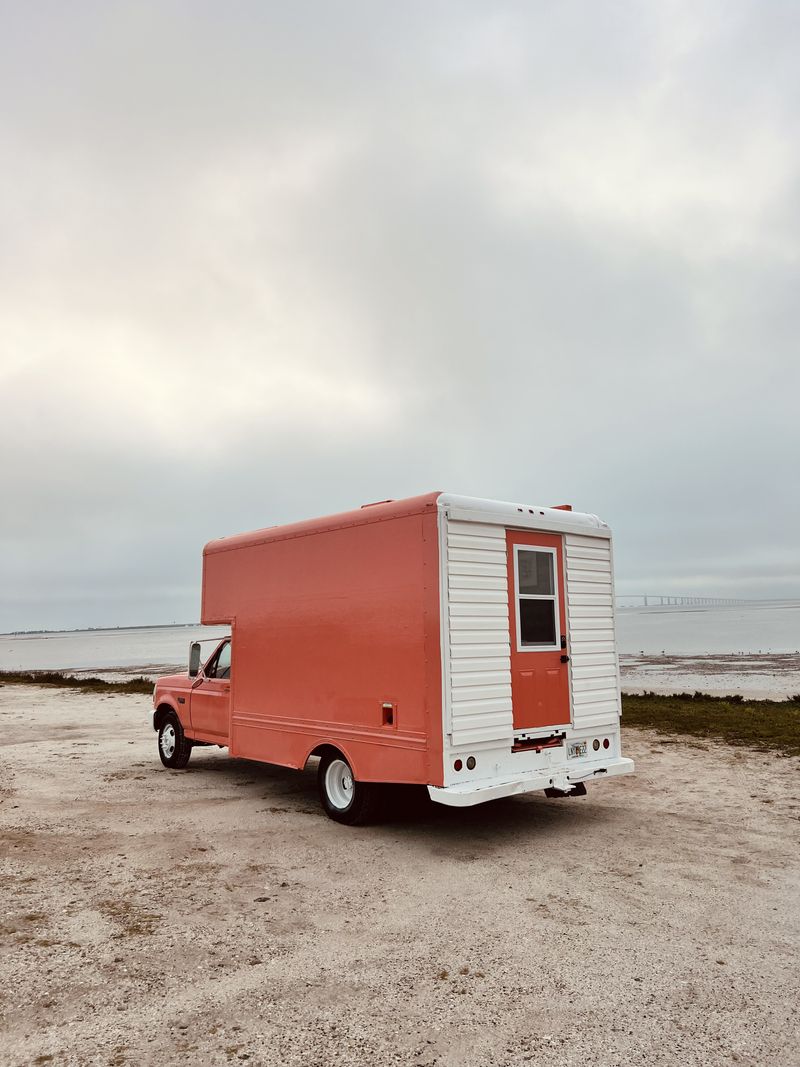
{"x": 267, "y": 262}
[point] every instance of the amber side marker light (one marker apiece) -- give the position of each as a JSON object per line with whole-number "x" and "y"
{"x": 596, "y": 744}
{"x": 471, "y": 763}
{"x": 457, "y": 765}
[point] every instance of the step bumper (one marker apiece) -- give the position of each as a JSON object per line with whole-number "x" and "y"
{"x": 464, "y": 796}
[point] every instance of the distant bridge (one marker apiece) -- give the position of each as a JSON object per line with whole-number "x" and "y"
{"x": 656, "y": 599}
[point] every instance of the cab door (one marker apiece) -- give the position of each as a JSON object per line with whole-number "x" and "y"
{"x": 538, "y": 625}
{"x": 209, "y": 708}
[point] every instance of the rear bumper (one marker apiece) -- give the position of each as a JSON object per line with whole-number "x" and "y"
{"x": 464, "y": 796}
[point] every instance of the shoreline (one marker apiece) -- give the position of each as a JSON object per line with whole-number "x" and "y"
{"x": 61, "y": 680}
{"x": 760, "y": 724}
{"x": 756, "y": 676}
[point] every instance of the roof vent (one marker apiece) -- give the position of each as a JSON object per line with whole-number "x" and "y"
{"x": 375, "y": 503}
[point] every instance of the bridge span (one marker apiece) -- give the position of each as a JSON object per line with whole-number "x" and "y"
{"x": 668, "y": 600}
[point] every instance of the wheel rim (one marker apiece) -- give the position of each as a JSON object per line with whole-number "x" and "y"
{"x": 339, "y": 785}
{"x": 168, "y": 740}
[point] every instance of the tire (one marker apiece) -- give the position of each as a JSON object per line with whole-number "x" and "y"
{"x": 343, "y": 798}
{"x": 173, "y": 747}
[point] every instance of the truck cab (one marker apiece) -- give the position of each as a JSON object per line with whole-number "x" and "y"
{"x": 194, "y": 707}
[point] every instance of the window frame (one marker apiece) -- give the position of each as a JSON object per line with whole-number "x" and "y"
{"x": 213, "y": 661}
{"x": 220, "y": 652}
{"x": 554, "y": 596}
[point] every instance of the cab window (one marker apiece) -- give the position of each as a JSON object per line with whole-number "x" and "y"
{"x": 224, "y": 661}
{"x": 219, "y": 666}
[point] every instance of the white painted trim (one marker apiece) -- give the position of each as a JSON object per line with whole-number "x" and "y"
{"x": 556, "y": 646}
{"x": 522, "y": 516}
{"x": 464, "y": 796}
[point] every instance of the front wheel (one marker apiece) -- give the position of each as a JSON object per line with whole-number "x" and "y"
{"x": 173, "y": 747}
{"x": 344, "y": 799}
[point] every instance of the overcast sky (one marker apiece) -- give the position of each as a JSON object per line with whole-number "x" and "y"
{"x": 260, "y": 262}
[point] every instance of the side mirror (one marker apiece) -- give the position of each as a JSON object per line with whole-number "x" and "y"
{"x": 194, "y": 659}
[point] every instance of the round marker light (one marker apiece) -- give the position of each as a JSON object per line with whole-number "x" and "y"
{"x": 471, "y": 763}
{"x": 458, "y": 765}
{"x": 606, "y": 742}
{"x": 595, "y": 744}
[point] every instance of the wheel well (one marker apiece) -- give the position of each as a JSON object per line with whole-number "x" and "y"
{"x": 325, "y": 750}
{"x": 162, "y": 711}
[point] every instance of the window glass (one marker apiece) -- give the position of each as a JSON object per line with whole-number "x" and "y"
{"x": 537, "y": 603}
{"x": 219, "y": 666}
{"x": 537, "y": 622}
{"x": 224, "y": 661}
{"x": 535, "y": 573}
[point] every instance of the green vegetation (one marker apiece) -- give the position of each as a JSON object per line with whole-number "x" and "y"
{"x": 757, "y": 724}
{"x": 68, "y": 681}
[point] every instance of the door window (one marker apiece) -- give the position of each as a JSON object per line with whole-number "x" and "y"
{"x": 536, "y": 576}
{"x": 219, "y": 666}
{"x": 224, "y": 661}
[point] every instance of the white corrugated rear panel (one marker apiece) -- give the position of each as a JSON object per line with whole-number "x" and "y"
{"x": 478, "y": 660}
{"x": 479, "y": 671}
{"x": 594, "y": 672}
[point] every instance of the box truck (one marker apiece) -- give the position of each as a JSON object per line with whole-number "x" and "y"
{"x": 461, "y": 644}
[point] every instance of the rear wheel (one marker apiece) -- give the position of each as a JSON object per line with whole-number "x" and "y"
{"x": 173, "y": 747}
{"x": 344, "y": 799}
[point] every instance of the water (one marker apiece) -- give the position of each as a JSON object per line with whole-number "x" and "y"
{"x": 692, "y": 631}
{"x": 140, "y": 650}
{"x": 750, "y": 649}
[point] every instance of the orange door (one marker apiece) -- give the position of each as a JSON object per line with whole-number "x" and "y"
{"x": 538, "y": 623}
{"x": 211, "y": 697}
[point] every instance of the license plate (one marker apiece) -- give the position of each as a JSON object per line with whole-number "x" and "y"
{"x": 576, "y": 749}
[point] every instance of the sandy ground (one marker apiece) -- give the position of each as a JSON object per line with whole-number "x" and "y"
{"x": 215, "y": 915}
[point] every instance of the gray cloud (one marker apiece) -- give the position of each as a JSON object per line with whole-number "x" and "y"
{"x": 268, "y": 261}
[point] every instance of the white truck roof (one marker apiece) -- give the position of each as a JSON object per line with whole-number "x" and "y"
{"x": 476, "y": 509}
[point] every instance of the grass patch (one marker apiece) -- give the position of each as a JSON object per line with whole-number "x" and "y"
{"x": 69, "y": 681}
{"x": 760, "y": 724}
